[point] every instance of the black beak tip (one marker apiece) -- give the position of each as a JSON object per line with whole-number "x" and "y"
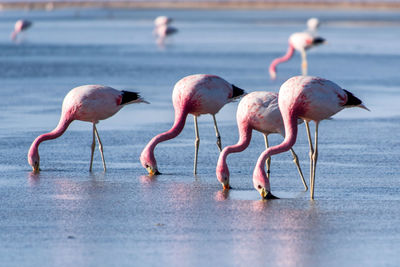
{"x": 270, "y": 196}
{"x": 157, "y": 173}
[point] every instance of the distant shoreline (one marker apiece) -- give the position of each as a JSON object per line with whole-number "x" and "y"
{"x": 48, "y": 5}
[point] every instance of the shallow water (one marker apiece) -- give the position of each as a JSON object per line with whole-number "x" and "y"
{"x": 67, "y": 216}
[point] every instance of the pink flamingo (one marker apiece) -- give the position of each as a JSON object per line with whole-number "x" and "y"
{"x": 310, "y": 99}
{"x": 162, "y": 32}
{"x": 162, "y": 20}
{"x": 195, "y": 94}
{"x": 313, "y": 25}
{"x": 162, "y": 29}
{"x": 300, "y": 41}
{"x": 89, "y": 103}
{"x": 20, "y": 25}
{"x": 258, "y": 111}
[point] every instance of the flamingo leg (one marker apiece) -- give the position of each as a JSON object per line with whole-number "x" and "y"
{"x": 100, "y": 147}
{"x": 296, "y": 161}
{"x": 311, "y": 153}
{"x": 314, "y": 159}
{"x": 217, "y": 134}
{"x": 196, "y": 144}
{"x": 268, "y": 161}
{"x": 303, "y": 63}
{"x": 92, "y": 147}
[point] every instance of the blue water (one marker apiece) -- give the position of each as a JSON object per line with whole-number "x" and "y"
{"x": 67, "y": 216}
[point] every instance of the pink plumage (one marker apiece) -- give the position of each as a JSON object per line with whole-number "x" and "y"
{"x": 299, "y": 41}
{"x": 20, "y": 25}
{"x": 256, "y": 111}
{"x": 310, "y": 99}
{"x": 195, "y": 94}
{"x": 162, "y": 29}
{"x": 90, "y": 103}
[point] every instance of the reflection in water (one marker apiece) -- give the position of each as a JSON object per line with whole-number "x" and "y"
{"x": 221, "y": 195}
{"x": 33, "y": 178}
{"x": 261, "y": 205}
{"x": 263, "y": 231}
{"x": 147, "y": 180}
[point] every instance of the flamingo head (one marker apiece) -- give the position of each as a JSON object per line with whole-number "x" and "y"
{"x": 272, "y": 74}
{"x": 261, "y": 183}
{"x": 222, "y": 173}
{"x": 353, "y": 101}
{"x": 149, "y": 162}
{"x": 34, "y": 159}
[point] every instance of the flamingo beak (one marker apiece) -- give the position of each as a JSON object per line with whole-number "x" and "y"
{"x": 226, "y": 186}
{"x": 267, "y": 195}
{"x": 36, "y": 168}
{"x": 152, "y": 171}
{"x": 363, "y": 107}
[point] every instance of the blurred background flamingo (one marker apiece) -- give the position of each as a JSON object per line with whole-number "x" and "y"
{"x": 90, "y": 103}
{"x": 313, "y": 25}
{"x": 20, "y": 26}
{"x": 311, "y": 99}
{"x": 162, "y": 29}
{"x": 195, "y": 94}
{"x": 301, "y": 42}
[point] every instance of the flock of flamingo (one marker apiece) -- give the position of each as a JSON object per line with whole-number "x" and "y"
{"x": 300, "y": 99}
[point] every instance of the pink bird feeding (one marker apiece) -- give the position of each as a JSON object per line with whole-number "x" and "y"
{"x": 256, "y": 111}
{"x": 90, "y": 103}
{"x": 311, "y": 99}
{"x": 195, "y": 94}
{"x": 20, "y": 25}
{"x": 300, "y": 41}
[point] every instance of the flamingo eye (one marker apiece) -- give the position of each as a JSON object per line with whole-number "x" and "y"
{"x": 259, "y": 186}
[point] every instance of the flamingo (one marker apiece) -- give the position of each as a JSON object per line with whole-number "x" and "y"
{"x": 258, "y": 111}
{"x": 20, "y": 25}
{"x": 311, "y": 99}
{"x": 300, "y": 41}
{"x": 162, "y": 32}
{"x": 194, "y": 94}
{"x": 89, "y": 103}
{"x": 313, "y": 25}
{"x": 162, "y": 20}
{"x": 162, "y": 29}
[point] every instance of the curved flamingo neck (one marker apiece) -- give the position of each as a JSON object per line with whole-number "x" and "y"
{"x": 242, "y": 144}
{"x": 179, "y": 123}
{"x": 62, "y": 126}
{"x": 14, "y": 35}
{"x": 275, "y": 62}
{"x": 290, "y": 123}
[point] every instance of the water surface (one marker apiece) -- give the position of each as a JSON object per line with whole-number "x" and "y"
{"x": 67, "y": 216}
